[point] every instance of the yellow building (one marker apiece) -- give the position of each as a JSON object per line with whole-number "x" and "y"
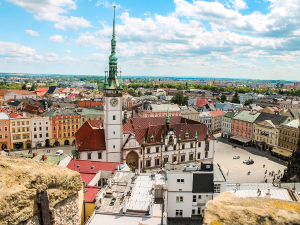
{"x": 20, "y": 133}
{"x": 265, "y": 135}
{"x": 64, "y": 123}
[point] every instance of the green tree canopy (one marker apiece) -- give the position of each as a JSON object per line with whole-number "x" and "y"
{"x": 24, "y": 87}
{"x": 235, "y": 98}
{"x": 248, "y": 102}
{"x": 179, "y": 99}
{"x": 223, "y": 98}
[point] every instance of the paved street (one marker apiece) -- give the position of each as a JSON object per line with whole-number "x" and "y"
{"x": 67, "y": 150}
{"x": 237, "y": 170}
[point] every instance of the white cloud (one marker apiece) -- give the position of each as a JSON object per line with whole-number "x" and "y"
{"x": 32, "y": 33}
{"x": 50, "y": 10}
{"x": 239, "y": 4}
{"x": 56, "y": 38}
{"x": 68, "y": 51}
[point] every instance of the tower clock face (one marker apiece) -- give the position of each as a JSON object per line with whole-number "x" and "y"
{"x": 113, "y": 102}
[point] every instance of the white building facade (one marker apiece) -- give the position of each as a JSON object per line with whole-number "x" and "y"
{"x": 206, "y": 118}
{"x": 190, "y": 188}
{"x": 40, "y": 131}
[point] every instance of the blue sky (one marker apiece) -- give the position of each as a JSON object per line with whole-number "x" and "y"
{"x": 226, "y": 38}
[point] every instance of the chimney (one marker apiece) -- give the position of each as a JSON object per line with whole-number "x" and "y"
{"x": 24, "y": 114}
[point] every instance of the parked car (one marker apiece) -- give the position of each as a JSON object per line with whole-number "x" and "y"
{"x": 236, "y": 157}
{"x": 59, "y": 152}
{"x": 250, "y": 162}
{"x": 245, "y": 161}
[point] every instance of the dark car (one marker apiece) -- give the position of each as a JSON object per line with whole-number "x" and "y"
{"x": 250, "y": 162}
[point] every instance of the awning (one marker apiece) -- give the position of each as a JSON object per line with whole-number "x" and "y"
{"x": 283, "y": 152}
{"x": 240, "y": 139}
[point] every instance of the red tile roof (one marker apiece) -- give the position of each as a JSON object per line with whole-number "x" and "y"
{"x": 90, "y": 137}
{"x": 85, "y": 166}
{"x": 87, "y": 177}
{"x": 15, "y": 115}
{"x": 201, "y": 102}
{"x": 216, "y": 113}
{"x": 90, "y": 193}
{"x": 42, "y": 89}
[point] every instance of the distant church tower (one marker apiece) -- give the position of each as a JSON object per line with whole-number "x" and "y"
{"x": 112, "y": 93}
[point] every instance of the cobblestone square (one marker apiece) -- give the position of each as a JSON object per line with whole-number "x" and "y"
{"x": 236, "y": 171}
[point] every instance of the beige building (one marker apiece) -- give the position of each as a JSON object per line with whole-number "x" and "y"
{"x": 190, "y": 113}
{"x": 20, "y": 133}
{"x": 216, "y": 120}
{"x": 89, "y": 114}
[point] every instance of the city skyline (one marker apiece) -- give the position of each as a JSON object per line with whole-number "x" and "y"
{"x": 240, "y": 39}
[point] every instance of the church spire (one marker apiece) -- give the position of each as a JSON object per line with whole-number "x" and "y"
{"x": 168, "y": 120}
{"x": 112, "y": 80}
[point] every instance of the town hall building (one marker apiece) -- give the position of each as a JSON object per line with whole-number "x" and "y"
{"x": 140, "y": 142}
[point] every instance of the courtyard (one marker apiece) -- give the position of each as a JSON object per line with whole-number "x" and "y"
{"x": 236, "y": 171}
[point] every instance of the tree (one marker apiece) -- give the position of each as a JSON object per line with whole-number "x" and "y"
{"x": 140, "y": 93}
{"x": 235, "y": 98}
{"x": 33, "y": 87}
{"x": 248, "y": 102}
{"x": 179, "y": 99}
{"x": 24, "y": 87}
{"x": 223, "y": 98}
{"x": 148, "y": 93}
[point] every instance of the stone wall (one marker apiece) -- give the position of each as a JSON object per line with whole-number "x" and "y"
{"x": 227, "y": 208}
{"x": 23, "y": 180}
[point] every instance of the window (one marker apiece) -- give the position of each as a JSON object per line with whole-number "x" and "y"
{"x": 174, "y": 147}
{"x": 46, "y": 128}
{"x": 179, "y": 212}
{"x": 199, "y": 196}
{"x": 174, "y": 158}
{"x": 166, "y": 149}
{"x": 148, "y": 150}
{"x": 193, "y": 211}
{"x": 217, "y": 188}
{"x": 198, "y": 155}
{"x": 194, "y": 198}
{"x": 182, "y": 146}
{"x": 199, "y": 144}
{"x": 47, "y": 135}
{"x": 114, "y": 146}
{"x": 191, "y": 156}
{"x": 192, "y": 145}
{"x": 13, "y": 124}
{"x": 166, "y": 159}
{"x": 114, "y": 117}
{"x": 89, "y": 155}
{"x": 64, "y": 127}
{"x": 76, "y": 126}
{"x": 34, "y": 129}
{"x": 180, "y": 180}
{"x": 0, "y": 136}
{"x": 157, "y": 149}
{"x": 156, "y": 162}
{"x": 182, "y": 158}
{"x": 179, "y": 199}
{"x": 6, "y": 135}
{"x": 23, "y": 123}
{"x": 114, "y": 132}
{"x": 99, "y": 155}
{"x": 148, "y": 163}
{"x": 53, "y": 128}
{"x": 27, "y": 122}
{"x": 41, "y": 135}
{"x": 35, "y": 136}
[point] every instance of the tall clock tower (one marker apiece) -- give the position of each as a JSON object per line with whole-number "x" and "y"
{"x": 112, "y": 93}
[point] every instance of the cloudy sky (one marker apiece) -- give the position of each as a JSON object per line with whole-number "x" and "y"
{"x": 185, "y": 38}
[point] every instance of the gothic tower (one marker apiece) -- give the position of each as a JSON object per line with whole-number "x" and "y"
{"x": 112, "y": 93}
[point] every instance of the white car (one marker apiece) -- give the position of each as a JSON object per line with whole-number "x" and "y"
{"x": 59, "y": 152}
{"x": 236, "y": 157}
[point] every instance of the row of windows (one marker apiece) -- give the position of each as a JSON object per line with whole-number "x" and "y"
{"x": 19, "y": 129}
{"x": 287, "y": 146}
{"x": 64, "y": 127}
{"x": 5, "y": 122}
{"x": 39, "y": 123}
{"x": 242, "y": 123}
{"x": 174, "y": 159}
{"x": 242, "y": 128}
{"x": 40, "y": 135}
{"x": 5, "y": 128}
{"x": 90, "y": 119}
{"x": 89, "y": 155}
{"x": 68, "y": 121}
{"x": 288, "y": 133}
{"x": 5, "y": 136}
{"x": 19, "y": 123}
{"x": 174, "y": 147}
{"x": 65, "y": 135}
{"x": 17, "y": 137}
{"x": 40, "y": 128}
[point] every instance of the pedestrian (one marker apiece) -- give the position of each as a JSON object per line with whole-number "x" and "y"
{"x": 249, "y": 157}
{"x": 266, "y": 172}
{"x": 264, "y": 166}
{"x": 265, "y": 177}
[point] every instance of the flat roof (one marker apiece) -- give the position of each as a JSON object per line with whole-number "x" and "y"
{"x": 121, "y": 219}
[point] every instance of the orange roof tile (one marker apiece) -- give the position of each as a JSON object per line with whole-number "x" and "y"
{"x": 216, "y": 113}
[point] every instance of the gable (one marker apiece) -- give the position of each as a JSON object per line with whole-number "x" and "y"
{"x": 131, "y": 142}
